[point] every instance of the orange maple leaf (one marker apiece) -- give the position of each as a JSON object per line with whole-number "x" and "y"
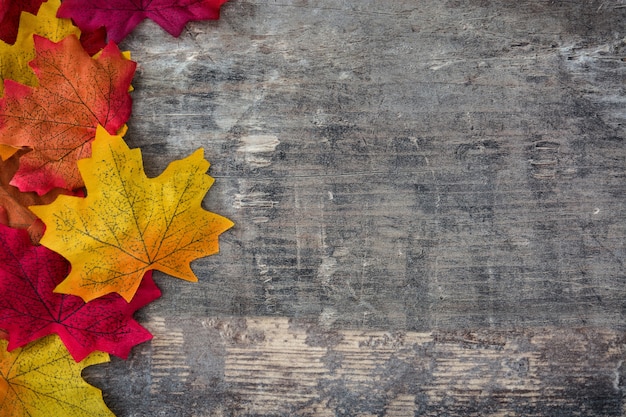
{"x": 42, "y": 379}
{"x": 16, "y": 56}
{"x": 14, "y": 204}
{"x": 58, "y": 119}
{"x": 129, "y": 223}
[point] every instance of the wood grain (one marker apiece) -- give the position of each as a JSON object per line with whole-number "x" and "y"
{"x": 284, "y": 367}
{"x": 429, "y": 208}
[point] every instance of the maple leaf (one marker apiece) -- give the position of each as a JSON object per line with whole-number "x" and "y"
{"x": 94, "y": 41}
{"x": 121, "y": 16}
{"x": 14, "y": 204}
{"x": 4, "y": 8}
{"x": 129, "y": 223}
{"x": 58, "y": 119}
{"x": 42, "y": 380}
{"x": 30, "y": 274}
{"x": 10, "y": 11}
{"x": 14, "y": 58}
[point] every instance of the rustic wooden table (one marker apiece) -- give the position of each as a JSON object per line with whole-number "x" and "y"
{"x": 430, "y": 208}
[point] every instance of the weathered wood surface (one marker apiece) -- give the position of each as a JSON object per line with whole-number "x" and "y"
{"x": 430, "y": 210}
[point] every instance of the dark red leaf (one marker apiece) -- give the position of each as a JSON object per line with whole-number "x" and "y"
{"x": 121, "y": 16}
{"x": 94, "y": 41}
{"x": 29, "y": 309}
{"x": 10, "y": 11}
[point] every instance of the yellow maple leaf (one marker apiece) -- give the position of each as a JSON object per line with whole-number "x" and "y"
{"x": 15, "y": 58}
{"x": 129, "y": 223}
{"x": 42, "y": 379}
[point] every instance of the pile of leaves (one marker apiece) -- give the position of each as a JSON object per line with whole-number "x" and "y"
{"x": 81, "y": 225}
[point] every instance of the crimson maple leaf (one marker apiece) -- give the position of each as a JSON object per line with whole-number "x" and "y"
{"x": 93, "y": 41}
{"x": 10, "y": 11}
{"x": 29, "y": 309}
{"x": 58, "y": 119}
{"x": 121, "y": 16}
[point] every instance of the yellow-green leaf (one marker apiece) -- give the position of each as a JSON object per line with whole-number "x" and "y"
{"x": 42, "y": 380}
{"x": 129, "y": 223}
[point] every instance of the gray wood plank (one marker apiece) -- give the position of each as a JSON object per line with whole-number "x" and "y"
{"x": 427, "y": 168}
{"x": 265, "y": 366}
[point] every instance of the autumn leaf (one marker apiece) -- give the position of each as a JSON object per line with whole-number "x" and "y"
{"x": 31, "y": 310}
{"x": 4, "y": 9}
{"x": 10, "y": 11}
{"x": 14, "y": 58}
{"x": 121, "y": 16}
{"x": 42, "y": 380}
{"x": 14, "y": 204}
{"x": 129, "y": 223}
{"x": 94, "y": 41}
{"x": 58, "y": 119}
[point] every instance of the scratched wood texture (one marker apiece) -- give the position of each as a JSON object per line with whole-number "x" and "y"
{"x": 430, "y": 208}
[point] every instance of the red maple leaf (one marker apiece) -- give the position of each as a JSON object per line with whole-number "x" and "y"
{"x": 58, "y": 119}
{"x": 14, "y": 204}
{"x": 121, "y": 16}
{"x": 93, "y": 41}
{"x": 10, "y": 11}
{"x": 29, "y": 309}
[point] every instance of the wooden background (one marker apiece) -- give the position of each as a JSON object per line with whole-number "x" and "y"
{"x": 430, "y": 209}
